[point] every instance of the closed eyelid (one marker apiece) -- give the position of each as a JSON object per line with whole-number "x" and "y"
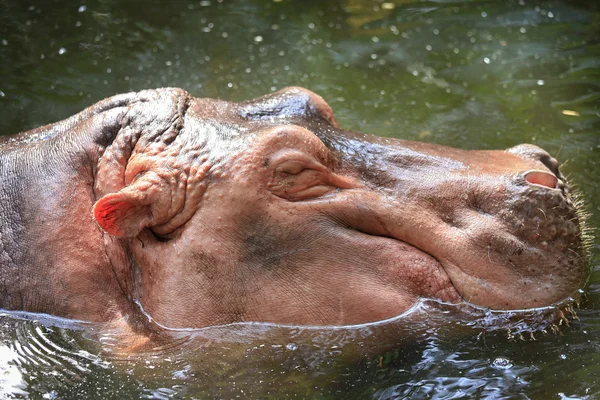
{"x": 291, "y": 158}
{"x": 296, "y": 166}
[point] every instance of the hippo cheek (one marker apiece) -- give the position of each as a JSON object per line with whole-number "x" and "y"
{"x": 346, "y": 255}
{"x": 325, "y": 273}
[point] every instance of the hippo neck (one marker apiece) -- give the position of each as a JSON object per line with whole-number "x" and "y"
{"x": 52, "y": 256}
{"x": 11, "y": 231}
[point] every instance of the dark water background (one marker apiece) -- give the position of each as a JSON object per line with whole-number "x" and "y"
{"x": 471, "y": 74}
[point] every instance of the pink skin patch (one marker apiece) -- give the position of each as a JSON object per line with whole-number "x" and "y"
{"x": 542, "y": 179}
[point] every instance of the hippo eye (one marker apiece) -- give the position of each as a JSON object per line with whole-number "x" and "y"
{"x": 293, "y": 162}
{"x": 291, "y": 167}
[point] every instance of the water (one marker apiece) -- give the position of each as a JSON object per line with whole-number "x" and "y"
{"x": 429, "y": 352}
{"x": 471, "y": 74}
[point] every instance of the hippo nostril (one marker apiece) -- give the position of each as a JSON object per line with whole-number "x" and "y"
{"x": 542, "y": 178}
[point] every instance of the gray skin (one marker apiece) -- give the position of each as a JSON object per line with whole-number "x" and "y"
{"x": 208, "y": 212}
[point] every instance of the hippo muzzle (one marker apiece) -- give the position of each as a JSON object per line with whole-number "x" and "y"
{"x": 208, "y": 212}
{"x": 502, "y": 224}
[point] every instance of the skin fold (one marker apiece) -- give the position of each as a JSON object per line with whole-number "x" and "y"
{"x": 207, "y": 212}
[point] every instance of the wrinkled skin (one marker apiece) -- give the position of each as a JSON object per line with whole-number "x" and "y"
{"x": 207, "y": 212}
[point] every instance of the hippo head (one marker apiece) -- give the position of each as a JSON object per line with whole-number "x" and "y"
{"x": 268, "y": 211}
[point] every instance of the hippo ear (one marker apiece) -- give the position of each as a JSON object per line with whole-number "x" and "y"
{"x": 119, "y": 215}
{"x": 127, "y": 212}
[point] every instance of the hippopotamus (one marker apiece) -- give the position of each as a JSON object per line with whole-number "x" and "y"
{"x": 200, "y": 212}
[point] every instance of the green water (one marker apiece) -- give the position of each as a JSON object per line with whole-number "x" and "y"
{"x": 470, "y": 74}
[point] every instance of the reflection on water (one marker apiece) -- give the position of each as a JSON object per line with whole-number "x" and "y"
{"x": 416, "y": 355}
{"x": 471, "y": 74}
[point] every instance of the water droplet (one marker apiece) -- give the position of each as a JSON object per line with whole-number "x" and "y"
{"x": 50, "y": 395}
{"x": 540, "y": 82}
{"x": 502, "y": 363}
{"x": 523, "y": 30}
{"x": 168, "y": 63}
{"x": 2, "y": 93}
{"x": 428, "y": 47}
{"x": 486, "y": 60}
{"x": 82, "y": 8}
{"x": 375, "y": 39}
{"x": 108, "y": 70}
{"x": 563, "y": 356}
{"x": 291, "y": 346}
{"x": 550, "y": 14}
{"x": 388, "y": 6}
{"x": 483, "y": 14}
{"x": 62, "y": 50}
{"x": 258, "y": 39}
{"x": 4, "y": 42}
{"x": 205, "y": 3}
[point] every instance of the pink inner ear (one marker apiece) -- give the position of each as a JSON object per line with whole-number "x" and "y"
{"x": 110, "y": 216}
